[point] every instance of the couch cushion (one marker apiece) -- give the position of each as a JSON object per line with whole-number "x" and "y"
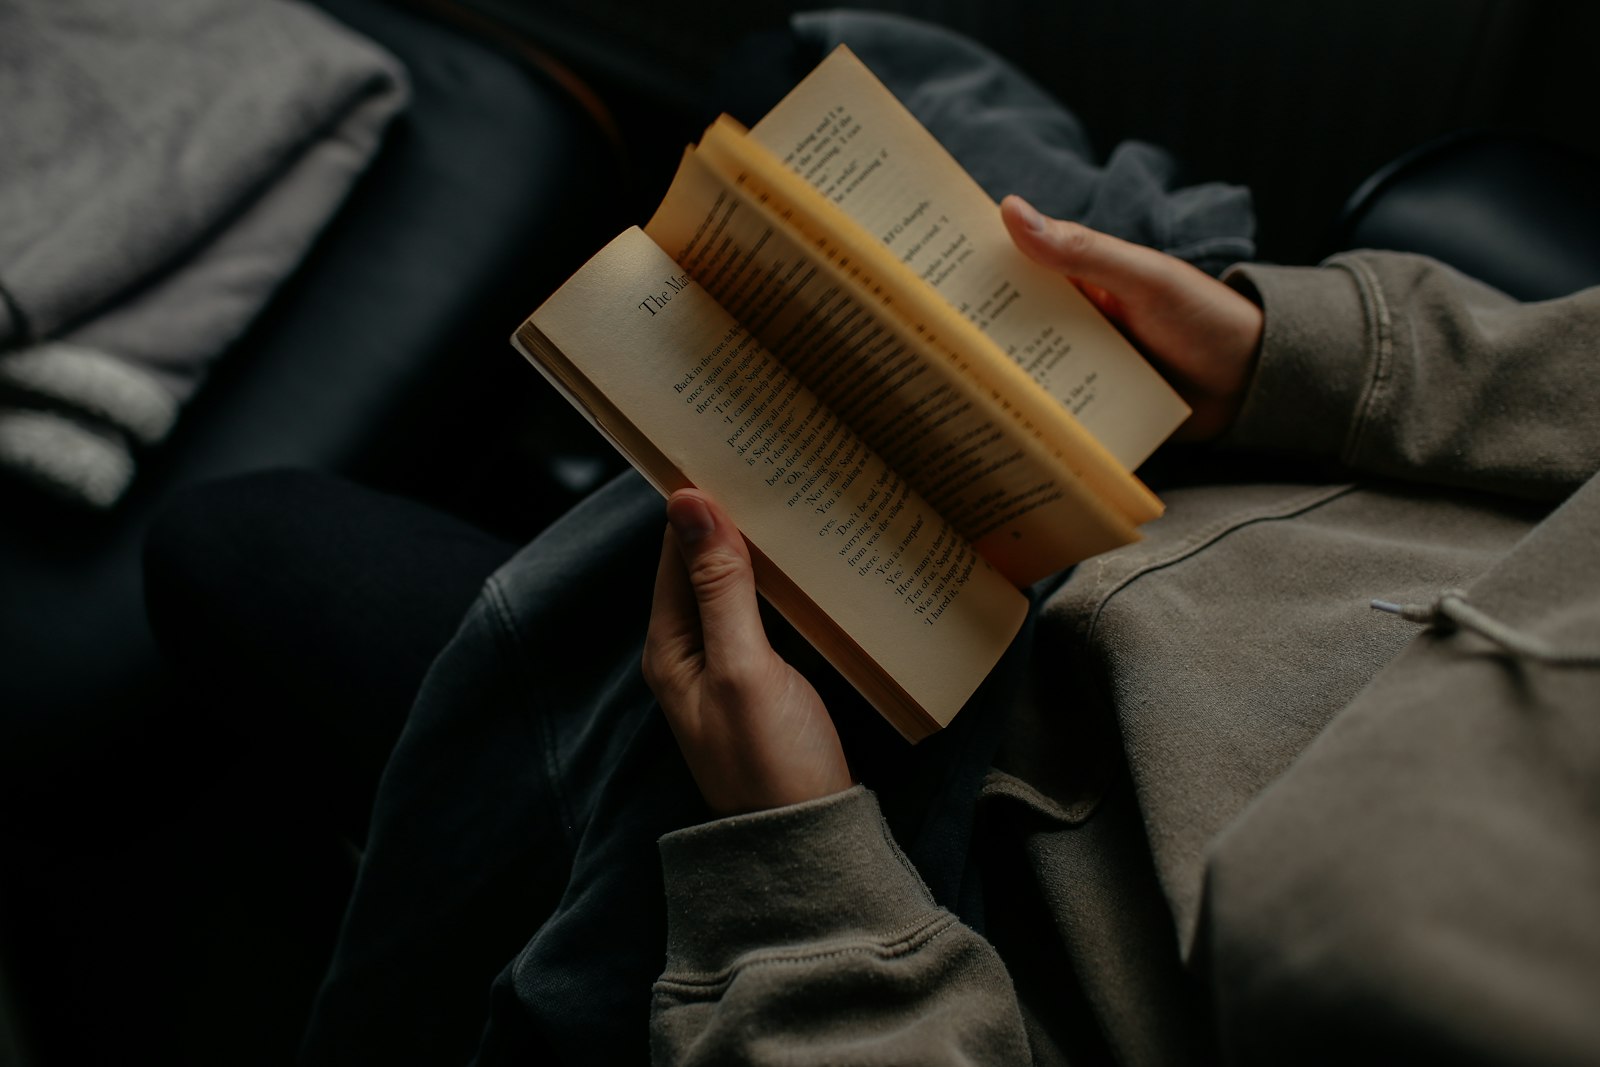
{"x": 1514, "y": 211}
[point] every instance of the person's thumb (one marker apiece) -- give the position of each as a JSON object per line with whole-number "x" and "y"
{"x": 1109, "y": 263}
{"x": 718, "y": 563}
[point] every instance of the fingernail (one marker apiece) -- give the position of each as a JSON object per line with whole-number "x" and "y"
{"x": 690, "y": 518}
{"x": 1030, "y": 218}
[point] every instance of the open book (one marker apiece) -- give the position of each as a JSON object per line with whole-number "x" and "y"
{"x": 827, "y": 327}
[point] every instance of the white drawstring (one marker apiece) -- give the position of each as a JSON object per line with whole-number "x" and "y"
{"x": 1451, "y": 612}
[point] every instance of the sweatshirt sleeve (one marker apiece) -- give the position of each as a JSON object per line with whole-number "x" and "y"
{"x": 1398, "y": 366}
{"x": 803, "y": 935}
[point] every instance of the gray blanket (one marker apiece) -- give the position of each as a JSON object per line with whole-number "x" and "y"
{"x": 162, "y": 168}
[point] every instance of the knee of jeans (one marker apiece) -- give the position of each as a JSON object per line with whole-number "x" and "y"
{"x": 202, "y": 549}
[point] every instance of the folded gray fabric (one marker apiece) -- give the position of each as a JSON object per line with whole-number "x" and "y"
{"x": 165, "y": 167}
{"x": 1012, "y": 137}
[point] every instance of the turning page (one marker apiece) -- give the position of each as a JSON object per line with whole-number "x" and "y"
{"x": 846, "y": 135}
{"x": 974, "y": 460}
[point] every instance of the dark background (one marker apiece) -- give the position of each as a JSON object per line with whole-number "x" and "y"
{"x": 1298, "y": 100}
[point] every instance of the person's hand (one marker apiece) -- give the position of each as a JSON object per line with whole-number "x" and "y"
{"x": 754, "y": 732}
{"x": 1201, "y": 334}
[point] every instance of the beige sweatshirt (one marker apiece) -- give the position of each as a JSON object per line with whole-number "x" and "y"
{"x": 1244, "y": 812}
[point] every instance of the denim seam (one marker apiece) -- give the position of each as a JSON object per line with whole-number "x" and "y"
{"x": 511, "y": 639}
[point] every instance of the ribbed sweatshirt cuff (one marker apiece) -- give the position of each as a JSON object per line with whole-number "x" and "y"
{"x": 822, "y": 869}
{"x": 1318, "y": 357}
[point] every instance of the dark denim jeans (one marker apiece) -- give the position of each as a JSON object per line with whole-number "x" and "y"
{"x": 514, "y": 828}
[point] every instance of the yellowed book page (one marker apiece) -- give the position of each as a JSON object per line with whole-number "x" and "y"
{"x": 1023, "y": 507}
{"x": 785, "y": 198}
{"x": 848, "y": 136}
{"x": 828, "y": 515}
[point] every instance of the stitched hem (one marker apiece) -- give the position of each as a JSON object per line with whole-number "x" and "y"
{"x": 1380, "y": 327}
{"x": 1208, "y": 536}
